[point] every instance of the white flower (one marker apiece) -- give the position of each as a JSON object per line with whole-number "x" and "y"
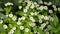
{"x": 31, "y": 18}
{"x": 49, "y": 27}
{"x": 5, "y": 26}
{"x": 18, "y": 23}
{"x": 1, "y": 21}
{"x": 23, "y": 17}
{"x": 25, "y": 10}
{"x": 59, "y": 9}
{"x": 50, "y": 11}
{"x": 14, "y": 18}
{"x": 19, "y": 19}
{"x": 32, "y": 6}
{"x": 14, "y": 28}
{"x": 11, "y": 32}
{"x": 41, "y": 16}
{"x": 29, "y": 3}
{"x": 53, "y": 6}
{"x": 19, "y": 1}
{"x": 8, "y": 4}
{"x": 7, "y": 15}
{"x": 46, "y": 18}
{"x": 32, "y": 24}
{"x": 51, "y": 18}
{"x": 50, "y": 3}
{"x": 10, "y": 15}
{"x": 41, "y": 7}
{"x": 47, "y": 32}
{"x": 41, "y": 2}
{"x": 35, "y": 2}
{"x": 38, "y": 32}
{"x": 45, "y": 8}
{"x": 35, "y": 31}
{"x": 27, "y": 7}
{"x": 45, "y": 3}
{"x": 47, "y": 22}
{"x": 21, "y": 27}
{"x": 26, "y": 30}
{"x": 20, "y": 7}
{"x": 40, "y": 20}
{"x": 35, "y": 13}
{"x": 43, "y": 25}
{"x": 55, "y": 9}
{"x": 32, "y": 13}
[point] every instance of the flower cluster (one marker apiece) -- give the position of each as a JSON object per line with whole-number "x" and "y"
{"x": 30, "y": 18}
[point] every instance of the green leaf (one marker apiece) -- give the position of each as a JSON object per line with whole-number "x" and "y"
{"x": 2, "y": 16}
{"x": 17, "y": 31}
{"x": 1, "y": 27}
{"x": 55, "y": 21}
{"x": 1, "y": 9}
{"x": 40, "y": 31}
{"x": 20, "y": 13}
{"x": 8, "y": 9}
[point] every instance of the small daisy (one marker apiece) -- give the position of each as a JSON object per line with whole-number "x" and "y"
{"x": 31, "y": 18}
{"x": 27, "y": 7}
{"x": 14, "y": 28}
{"x": 41, "y": 7}
{"x": 32, "y": 13}
{"x": 5, "y": 26}
{"x": 19, "y": 19}
{"x": 38, "y": 32}
{"x": 14, "y": 18}
{"x": 40, "y": 20}
{"x": 35, "y": 32}
{"x": 1, "y": 21}
{"x": 26, "y": 30}
{"x": 50, "y": 11}
{"x": 53, "y": 6}
{"x": 41, "y": 2}
{"x": 50, "y": 3}
{"x": 41, "y": 16}
{"x": 46, "y": 18}
{"x": 59, "y": 9}
{"x": 18, "y": 23}
{"x": 25, "y": 10}
{"x": 21, "y": 27}
{"x": 45, "y": 8}
{"x": 20, "y": 7}
{"x": 7, "y": 15}
{"x": 51, "y": 18}
{"x": 23, "y": 17}
{"x": 47, "y": 22}
{"x": 43, "y": 25}
{"x": 10, "y": 15}
{"x": 35, "y": 13}
{"x": 55, "y": 9}
{"x": 49, "y": 27}
{"x": 11, "y": 32}
{"x": 45, "y": 3}
{"x": 8, "y": 4}
{"x": 32, "y": 24}
{"x": 47, "y": 32}
{"x": 32, "y": 6}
